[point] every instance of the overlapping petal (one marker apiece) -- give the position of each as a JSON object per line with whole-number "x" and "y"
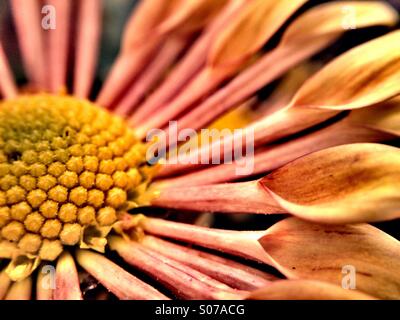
{"x": 345, "y": 184}
{"x": 303, "y": 250}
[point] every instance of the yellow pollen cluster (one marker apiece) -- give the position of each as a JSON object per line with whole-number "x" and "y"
{"x": 65, "y": 164}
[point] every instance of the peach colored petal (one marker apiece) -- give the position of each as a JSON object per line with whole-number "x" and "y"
{"x": 244, "y": 244}
{"x": 182, "y": 280}
{"x": 234, "y": 198}
{"x": 359, "y": 256}
{"x": 146, "y": 17}
{"x": 232, "y": 273}
{"x": 58, "y": 46}
{"x": 272, "y": 157}
{"x": 310, "y": 33}
{"x": 20, "y": 290}
{"x": 345, "y": 184}
{"x": 125, "y": 69}
{"x": 5, "y": 283}
{"x": 246, "y": 34}
{"x": 192, "y": 15}
{"x": 148, "y": 79}
{"x": 384, "y": 117}
{"x": 121, "y": 283}
{"x": 67, "y": 281}
{"x": 306, "y": 290}
{"x": 138, "y": 44}
{"x": 363, "y": 76}
{"x": 145, "y": 33}
{"x": 263, "y": 15}
{"x": 189, "y": 65}
{"x": 328, "y": 18}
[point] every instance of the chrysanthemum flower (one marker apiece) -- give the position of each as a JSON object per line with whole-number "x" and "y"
{"x": 75, "y": 176}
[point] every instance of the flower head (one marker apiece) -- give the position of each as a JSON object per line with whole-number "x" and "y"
{"x": 76, "y": 176}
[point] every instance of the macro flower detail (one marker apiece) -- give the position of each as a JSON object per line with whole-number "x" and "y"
{"x": 67, "y": 169}
{"x": 87, "y": 213}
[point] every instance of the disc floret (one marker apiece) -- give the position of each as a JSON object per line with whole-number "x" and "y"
{"x": 67, "y": 168}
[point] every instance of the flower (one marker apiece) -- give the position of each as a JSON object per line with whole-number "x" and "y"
{"x": 76, "y": 178}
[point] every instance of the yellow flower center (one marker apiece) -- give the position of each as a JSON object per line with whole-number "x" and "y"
{"x": 66, "y": 166}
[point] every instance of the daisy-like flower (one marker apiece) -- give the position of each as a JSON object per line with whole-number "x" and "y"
{"x": 78, "y": 190}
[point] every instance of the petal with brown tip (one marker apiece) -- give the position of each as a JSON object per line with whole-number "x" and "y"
{"x": 363, "y": 76}
{"x": 345, "y": 184}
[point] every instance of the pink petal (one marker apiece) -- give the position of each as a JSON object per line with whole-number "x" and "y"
{"x": 185, "y": 282}
{"x": 27, "y": 17}
{"x": 192, "y": 62}
{"x": 151, "y": 75}
{"x": 232, "y": 273}
{"x": 89, "y": 31}
{"x": 58, "y": 43}
{"x": 240, "y": 243}
{"x": 245, "y": 197}
{"x": 121, "y": 283}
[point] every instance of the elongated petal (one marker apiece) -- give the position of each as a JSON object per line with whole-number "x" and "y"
{"x": 7, "y": 84}
{"x": 184, "y": 281}
{"x": 27, "y": 16}
{"x": 89, "y": 29}
{"x": 366, "y": 75}
{"x": 138, "y": 44}
{"x": 355, "y": 256}
{"x": 235, "y": 198}
{"x": 385, "y": 117}
{"x": 251, "y": 30}
{"x": 290, "y": 120}
{"x": 125, "y": 69}
{"x": 355, "y": 128}
{"x": 188, "y": 66}
{"x": 145, "y": 18}
{"x": 192, "y": 15}
{"x": 306, "y": 290}
{"x": 345, "y": 184}
{"x": 5, "y": 283}
{"x": 21, "y": 290}
{"x": 241, "y": 38}
{"x": 283, "y": 123}
{"x": 167, "y": 55}
{"x": 121, "y": 283}
{"x": 58, "y": 45}
{"x": 310, "y": 33}
{"x": 204, "y": 82}
{"x": 67, "y": 281}
{"x": 161, "y": 18}
{"x": 229, "y": 272}
{"x": 328, "y": 18}
{"x": 240, "y": 243}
